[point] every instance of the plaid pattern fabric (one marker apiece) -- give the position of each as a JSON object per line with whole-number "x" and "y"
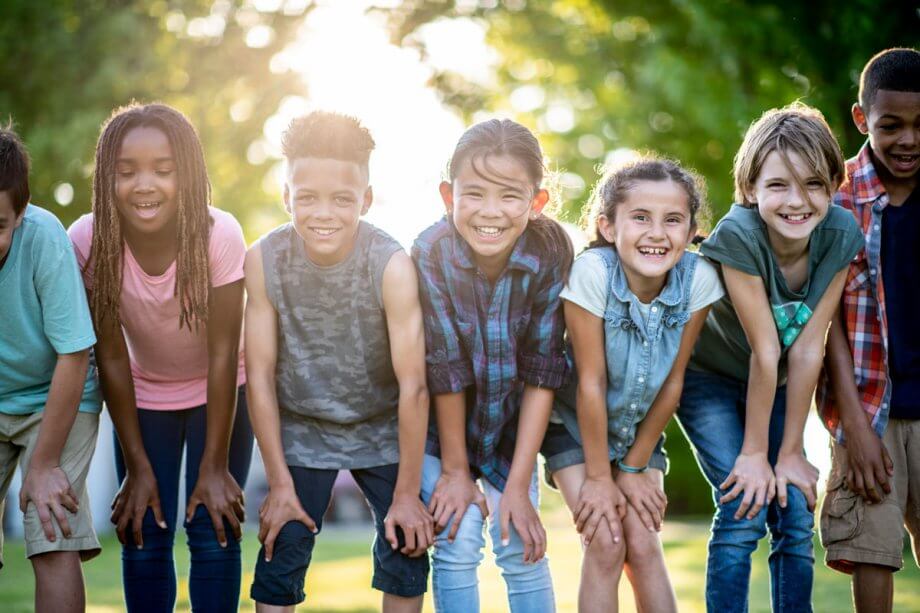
{"x": 863, "y": 303}
{"x": 488, "y": 340}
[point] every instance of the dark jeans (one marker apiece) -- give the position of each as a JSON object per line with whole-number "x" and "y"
{"x": 711, "y": 413}
{"x": 149, "y": 574}
{"x": 280, "y": 582}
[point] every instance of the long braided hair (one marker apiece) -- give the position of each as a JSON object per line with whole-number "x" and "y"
{"x": 194, "y": 222}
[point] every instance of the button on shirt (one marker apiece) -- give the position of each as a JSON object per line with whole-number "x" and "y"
{"x": 488, "y": 340}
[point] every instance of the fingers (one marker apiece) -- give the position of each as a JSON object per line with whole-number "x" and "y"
{"x": 745, "y": 503}
{"x": 23, "y": 501}
{"x": 526, "y": 538}
{"x": 137, "y": 521}
{"x": 269, "y": 542}
{"x": 505, "y": 524}
{"x": 732, "y": 494}
{"x": 61, "y": 518}
{"x": 69, "y": 501}
{"x": 121, "y": 527}
{"x": 654, "y": 513}
{"x": 193, "y": 503}
{"x": 45, "y": 517}
{"x": 881, "y": 473}
{"x": 389, "y": 531}
{"x": 889, "y": 465}
{"x": 307, "y": 521}
{"x": 811, "y": 495}
{"x": 589, "y": 529}
{"x": 859, "y": 485}
{"x": 781, "y": 491}
{"x": 538, "y": 537}
{"x": 760, "y": 497}
{"x": 729, "y": 481}
{"x": 480, "y": 501}
{"x": 235, "y": 526}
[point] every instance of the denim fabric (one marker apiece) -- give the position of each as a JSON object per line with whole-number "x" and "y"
{"x": 280, "y": 582}
{"x": 454, "y": 579}
{"x": 711, "y": 414}
{"x": 149, "y": 574}
{"x": 639, "y": 353}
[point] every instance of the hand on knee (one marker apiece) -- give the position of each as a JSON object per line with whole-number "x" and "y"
{"x": 603, "y": 554}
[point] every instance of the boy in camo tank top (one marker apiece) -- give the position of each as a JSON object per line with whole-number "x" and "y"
{"x": 336, "y": 366}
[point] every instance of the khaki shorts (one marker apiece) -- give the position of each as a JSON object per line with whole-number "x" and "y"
{"x": 18, "y": 434}
{"x": 856, "y": 532}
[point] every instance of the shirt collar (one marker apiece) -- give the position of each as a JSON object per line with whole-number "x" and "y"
{"x": 867, "y": 186}
{"x": 670, "y": 294}
{"x": 522, "y": 257}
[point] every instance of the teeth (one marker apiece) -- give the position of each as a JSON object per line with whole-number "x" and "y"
{"x": 325, "y": 231}
{"x": 146, "y": 205}
{"x": 489, "y": 230}
{"x": 797, "y": 217}
{"x": 653, "y": 250}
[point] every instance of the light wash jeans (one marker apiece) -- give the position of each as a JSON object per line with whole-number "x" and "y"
{"x": 454, "y": 578}
{"x": 711, "y": 413}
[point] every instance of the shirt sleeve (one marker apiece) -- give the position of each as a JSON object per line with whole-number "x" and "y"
{"x": 706, "y": 287}
{"x": 587, "y": 285}
{"x": 448, "y": 367}
{"x": 226, "y": 249}
{"x": 81, "y": 237}
{"x": 729, "y": 244}
{"x": 541, "y": 357}
{"x": 65, "y": 314}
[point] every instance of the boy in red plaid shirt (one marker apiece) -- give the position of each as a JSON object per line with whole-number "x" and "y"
{"x": 870, "y": 399}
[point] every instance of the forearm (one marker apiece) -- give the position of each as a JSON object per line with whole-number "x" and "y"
{"x": 64, "y": 396}
{"x": 118, "y": 391}
{"x": 450, "y": 412}
{"x": 221, "y": 408}
{"x": 536, "y": 405}
{"x": 804, "y": 368}
{"x": 839, "y": 364}
{"x": 654, "y": 423}
{"x": 264, "y": 416}
{"x": 413, "y": 429}
{"x": 760, "y": 396}
{"x": 591, "y": 410}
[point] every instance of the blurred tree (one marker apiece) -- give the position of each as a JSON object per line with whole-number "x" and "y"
{"x": 68, "y": 63}
{"x": 681, "y": 77}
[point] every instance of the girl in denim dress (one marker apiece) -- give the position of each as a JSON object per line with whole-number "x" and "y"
{"x": 634, "y": 305}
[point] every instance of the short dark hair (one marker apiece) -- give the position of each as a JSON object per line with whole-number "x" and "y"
{"x": 14, "y": 169}
{"x": 322, "y": 134}
{"x": 892, "y": 69}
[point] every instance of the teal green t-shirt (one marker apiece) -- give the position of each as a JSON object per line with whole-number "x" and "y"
{"x": 740, "y": 241}
{"x": 43, "y": 313}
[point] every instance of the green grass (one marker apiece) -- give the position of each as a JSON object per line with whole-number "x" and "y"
{"x": 340, "y": 575}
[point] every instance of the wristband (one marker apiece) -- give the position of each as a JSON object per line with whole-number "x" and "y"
{"x": 626, "y": 468}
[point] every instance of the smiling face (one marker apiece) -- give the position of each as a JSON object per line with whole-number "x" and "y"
{"x": 146, "y": 182}
{"x": 490, "y": 209}
{"x": 791, "y": 199}
{"x": 893, "y": 127}
{"x": 9, "y": 221}
{"x": 326, "y": 199}
{"x": 650, "y": 230}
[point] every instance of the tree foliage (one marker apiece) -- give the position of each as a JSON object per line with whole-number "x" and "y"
{"x": 680, "y": 77}
{"x": 68, "y": 63}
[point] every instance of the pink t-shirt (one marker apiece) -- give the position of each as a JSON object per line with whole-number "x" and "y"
{"x": 169, "y": 364}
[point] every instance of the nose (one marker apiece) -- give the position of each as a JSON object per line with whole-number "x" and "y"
{"x": 796, "y": 196}
{"x": 491, "y": 207}
{"x": 656, "y": 230}
{"x": 909, "y": 137}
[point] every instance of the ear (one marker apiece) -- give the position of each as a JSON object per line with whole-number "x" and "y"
{"x": 540, "y": 199}
{"x": 749, "y": 193}
{"x": 286, "y": 197}
{"x": 447, "y": 196}
{"x": 605, "y": 228}
{"x": 368, "y": 199}
{"x": 860, "y": 119}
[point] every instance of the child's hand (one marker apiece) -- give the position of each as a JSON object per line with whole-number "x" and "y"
{"x": 222, "y": 497}
{"x": 753, "y": 476}
{"x": 515, "y": 508}
{"x": 279, "y": 507}
{"x": 598, "y": 500}
{"x": 868, "y": 464}
{"x": 49, "y": 490}
{"x": 644, "y": 493}
{"x": 453, "y": 494}
{"x": 409, "y": 513}
{"x": 794, "y": 469}
{"x": 138, "y": 491}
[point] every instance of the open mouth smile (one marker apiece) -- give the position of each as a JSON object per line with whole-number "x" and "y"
{"x": 488, "y": 232}
{"x": 654, "y": 252}
{"x": 146, "y": 210}
{"x": 324, "y": 231}
{"x": 797, "y": 218}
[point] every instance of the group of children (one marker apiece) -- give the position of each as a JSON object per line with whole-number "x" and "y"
{"x": 437, "y": 378}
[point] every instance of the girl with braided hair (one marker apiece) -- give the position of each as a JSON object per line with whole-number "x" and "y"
{"x": 164, "y": 275}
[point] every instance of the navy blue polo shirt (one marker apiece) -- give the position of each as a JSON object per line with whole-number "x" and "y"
{"x": 900, "y": 269}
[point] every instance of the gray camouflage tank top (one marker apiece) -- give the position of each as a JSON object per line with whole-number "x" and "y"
{"x": 337, "y": 391}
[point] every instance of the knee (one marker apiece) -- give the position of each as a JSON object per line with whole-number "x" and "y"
{"x": 744, "y": 532}
{"x": 603, "y": 554}
{"x": 203, "y": 543}
{"x": 795, "y": 522}
{"x": 51, "y": 562}
{"x": 642, "y": 546}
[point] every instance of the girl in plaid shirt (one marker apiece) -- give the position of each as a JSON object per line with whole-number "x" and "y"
{"x": 490, "y": 276}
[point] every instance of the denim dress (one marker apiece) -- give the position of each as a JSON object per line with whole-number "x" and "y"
{"x": 639, "y": 356}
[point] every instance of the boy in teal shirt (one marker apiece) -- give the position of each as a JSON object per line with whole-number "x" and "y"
{"x": 46, "y": 334}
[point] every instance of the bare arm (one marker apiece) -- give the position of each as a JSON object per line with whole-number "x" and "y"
{"x": 216, "y": 488}
{"x": 45, "y": 484}
{"x": 804, "y": 359}
{"x": 139, "y": 489}
{"x": 752, "y": 474}
{"x": 261, "y": 329}
{"x": 407, "y": 351}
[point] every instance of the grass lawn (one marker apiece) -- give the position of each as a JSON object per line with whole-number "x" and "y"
{"x": 340, "y": 576}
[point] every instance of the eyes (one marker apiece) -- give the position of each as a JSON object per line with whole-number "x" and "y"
{"x": 811, "y": 185}
{"x": 671, "y": 220}
{"x": 340, "y": 200}
{"x": 506, "y": 197}
{"x": 128, "y": 173}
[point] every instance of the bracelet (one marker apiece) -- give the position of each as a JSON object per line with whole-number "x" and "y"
{"x": 626, "y": 468}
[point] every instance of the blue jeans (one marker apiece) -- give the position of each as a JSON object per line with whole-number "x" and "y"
{"x": 711, "y": 414}
{"x": 454, "y": 579}
{"x": 149, "y": 574}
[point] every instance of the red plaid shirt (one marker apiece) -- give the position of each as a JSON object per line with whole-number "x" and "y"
{"x": 863, "y": 303}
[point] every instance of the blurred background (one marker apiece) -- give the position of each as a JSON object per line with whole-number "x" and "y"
{"x": 596, "y": 80}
